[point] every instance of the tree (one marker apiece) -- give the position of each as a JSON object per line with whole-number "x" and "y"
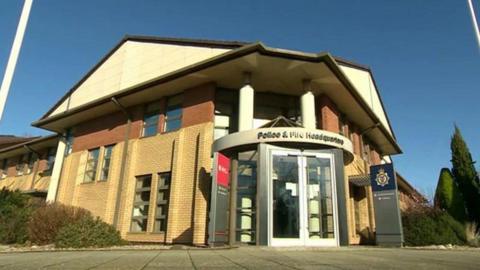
{"x": 448, "y": 196}
{"x": 466, "y": 176}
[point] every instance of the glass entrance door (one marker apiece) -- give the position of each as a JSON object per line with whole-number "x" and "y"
{"x": 302, "y": 208}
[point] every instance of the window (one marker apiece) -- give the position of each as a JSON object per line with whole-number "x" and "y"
{"x": 365, "y": 150}
{"x": 226, "y": 106}
{"x": 222, "y": 126}
{"x": 31, "y": 161}
{"x": 107, "y": 156}
{"x": 20, "y": 166}
{"x": 173, "y": 117}
{"x": 269, "y": 106}
{"x": 163, "y": 195}
{"x": 343, "y": 126}
{"x": 92, "y": 163}
{"x": 150, "y": 119}
{"x": 69, "y": 142}
{"x": 51, "y": 159}
{"x": 3, "y": 169}
{"x": 141, "y": 203}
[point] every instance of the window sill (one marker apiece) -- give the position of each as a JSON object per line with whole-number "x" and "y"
{"x": 86, "y": 183}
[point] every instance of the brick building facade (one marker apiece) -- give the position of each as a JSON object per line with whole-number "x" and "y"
{"x": 138, "y": 134}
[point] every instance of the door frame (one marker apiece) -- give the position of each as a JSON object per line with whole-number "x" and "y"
{"x": 303, "y": 239}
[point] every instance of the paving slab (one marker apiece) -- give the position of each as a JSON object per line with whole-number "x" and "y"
{"x": 246, "y": 258}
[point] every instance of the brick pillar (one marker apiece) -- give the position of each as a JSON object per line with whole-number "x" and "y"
{"x": 327, "y": 114}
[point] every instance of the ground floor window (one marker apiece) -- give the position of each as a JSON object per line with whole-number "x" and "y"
{"x": 163, "y": 188}
{"x": 151, "y": 191}
{"x": 141, "y": 203}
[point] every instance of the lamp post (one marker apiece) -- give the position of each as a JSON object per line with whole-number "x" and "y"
{"x": 474, "y": 22}
{"x": 12, "y": 60}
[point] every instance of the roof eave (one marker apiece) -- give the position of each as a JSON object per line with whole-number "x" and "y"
{"x": 239, "y": 52}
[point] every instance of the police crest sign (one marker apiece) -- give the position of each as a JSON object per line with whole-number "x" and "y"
{"x": 382, "y": 178}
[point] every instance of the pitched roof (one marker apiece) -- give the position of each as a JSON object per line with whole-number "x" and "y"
{"x": 239, "y": 49}
{"x": 8, "y": 140}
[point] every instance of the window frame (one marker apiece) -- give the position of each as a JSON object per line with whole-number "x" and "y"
{"x": 139, "y": 190}
{"x": 152, "y": 109}
{"x": 32, "y": 157}
{"x": 20, "y": 166}
{"x": 95, "y": 166}
{"x": 4, "y": 169}
{"x": 164, "y": 203}
{"x": 51, "y": 156}
{"x": 104, "y": 176}
{"x": 176, "y": 117}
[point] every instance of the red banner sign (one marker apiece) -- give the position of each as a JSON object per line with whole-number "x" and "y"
{"x": 223, "y": 170}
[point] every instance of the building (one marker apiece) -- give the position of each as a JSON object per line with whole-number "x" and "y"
{"x": 26, "y": 164}
{"x": 142, "y": 130}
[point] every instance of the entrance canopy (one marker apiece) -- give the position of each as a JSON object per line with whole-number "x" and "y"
{"x": 286, "y": 133}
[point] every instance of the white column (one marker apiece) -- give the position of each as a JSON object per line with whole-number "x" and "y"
{"x": 245, "y": 105}
{"x": 307, "y": 104}
{"x": 57, "y": 169}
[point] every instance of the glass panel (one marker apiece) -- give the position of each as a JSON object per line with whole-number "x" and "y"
{"x": 139, "y": 225}
{"x": 144, "y": 181}
{"x": 160, "y": 225}
{"x": 140, "y": 210}
{"x": 246, "y": 197}
{"x": 174, "y": 124}
{"x": 161, "y": 210}
{"x": 163, "y": 179}
{"x": 285, "y": 197}
{"x": 219, "y": 132}
{"x": 143, "y": 196}
{"x": 150, "y": 124}
{"x": 319, "y": 198}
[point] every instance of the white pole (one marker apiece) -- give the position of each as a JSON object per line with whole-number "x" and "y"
{"x": 474, "y": 21}
{"x": 12, "y": 60}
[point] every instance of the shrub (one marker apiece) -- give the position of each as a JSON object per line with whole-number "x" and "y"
{"x": 430, "y": 226}
{"x": 48, "y": 220}
{"x": 88, "y": 232}
{"x": 448, "y": 197}
{"x": 15, "y": 210}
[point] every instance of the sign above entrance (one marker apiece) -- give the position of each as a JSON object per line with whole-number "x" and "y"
{"x": 311, "y": 138}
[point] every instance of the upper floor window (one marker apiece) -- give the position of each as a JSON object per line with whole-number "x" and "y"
{"x": 4, "y": 168}
{"x": 365, "y": 150}
{"x": 269, "y": 106}
{"x": 92, "y": 163}
{"x": 343, "y": 126}
{"x": 150, "y": 119}
{"x": 107, "y": 156}
{"x": 69, "y": 141}
{"x": 173, "y": 116}
{"x": 51, "y": 158}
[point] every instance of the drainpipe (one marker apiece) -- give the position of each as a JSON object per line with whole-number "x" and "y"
{"x": 121, "y": 180}
{"x": 37, "y": 163}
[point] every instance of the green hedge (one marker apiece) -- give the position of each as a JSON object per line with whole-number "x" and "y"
{"x": 88, "y": 232}
{"x": 15, "y": 210}
{"x": 428, "y": 226}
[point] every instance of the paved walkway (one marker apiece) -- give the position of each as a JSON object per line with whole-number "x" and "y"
{"x": 247, "y": 258}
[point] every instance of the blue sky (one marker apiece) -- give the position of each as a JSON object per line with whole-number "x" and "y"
{"x": 423, "y": 55}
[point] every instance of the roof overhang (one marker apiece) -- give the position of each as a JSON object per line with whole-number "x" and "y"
{"x": 32, "y": 145}
{"x": 274, "y": 70}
